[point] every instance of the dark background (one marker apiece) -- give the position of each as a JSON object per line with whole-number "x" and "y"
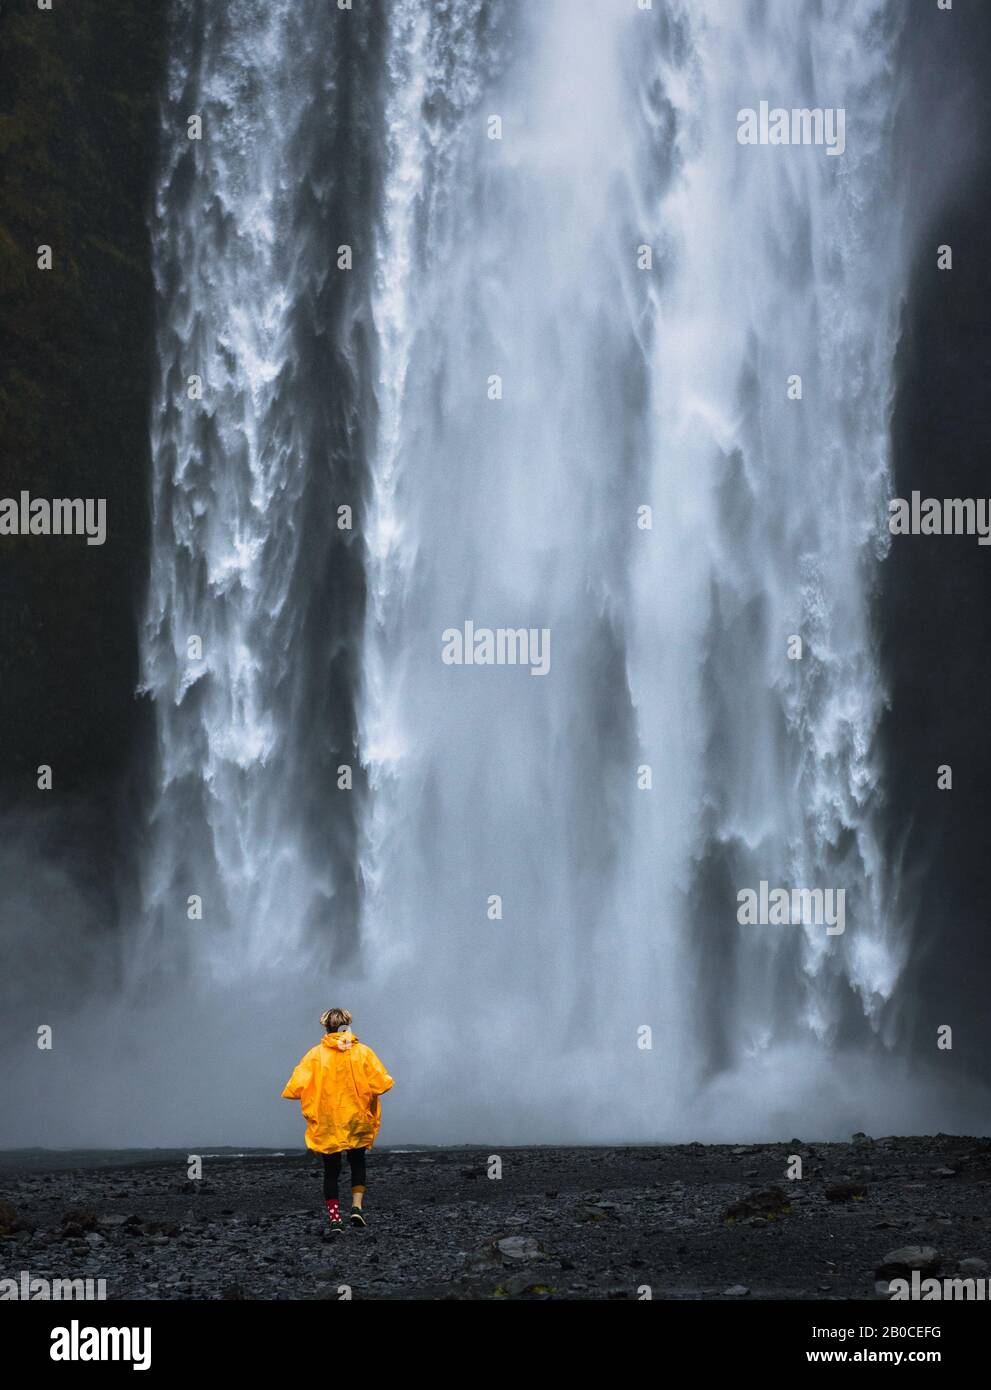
{"x": 934, "y": 609}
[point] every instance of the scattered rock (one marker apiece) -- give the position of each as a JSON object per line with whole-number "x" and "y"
{"x": 944, "y": 1172}
{"x": 861, "y": 1139}
{"x": 651, "y": 1222}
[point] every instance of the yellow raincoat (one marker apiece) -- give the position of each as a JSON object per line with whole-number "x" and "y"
{"x": 338, "y": 1084}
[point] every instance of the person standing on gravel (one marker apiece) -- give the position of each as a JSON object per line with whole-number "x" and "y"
{"x": 338, "y": 1084}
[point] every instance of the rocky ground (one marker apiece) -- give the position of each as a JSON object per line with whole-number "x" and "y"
{"x": 687, "y": 1221}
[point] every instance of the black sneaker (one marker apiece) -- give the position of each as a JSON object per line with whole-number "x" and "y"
{"x": 358, "y": 1217}
{"x": 335, "y": 1229}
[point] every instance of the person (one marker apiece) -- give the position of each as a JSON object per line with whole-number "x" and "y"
{"x": 338, "y": 1084}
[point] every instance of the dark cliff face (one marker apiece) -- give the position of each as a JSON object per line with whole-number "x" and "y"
{"x": 934, "y": 611}
{"x": 79, "y": 89}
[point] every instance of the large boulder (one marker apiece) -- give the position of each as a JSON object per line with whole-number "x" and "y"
{"x": 899, "y": 1264}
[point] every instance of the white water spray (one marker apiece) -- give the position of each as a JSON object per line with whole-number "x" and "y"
{"x": 528, "y": 386}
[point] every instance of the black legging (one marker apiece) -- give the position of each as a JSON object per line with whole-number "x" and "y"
{"x": 332, "y": 1170}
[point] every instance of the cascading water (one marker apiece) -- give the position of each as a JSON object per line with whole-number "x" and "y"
{"x": 782, "y": 264}
{"x": 255, "y": 596}
{"x": 497, "y": 388}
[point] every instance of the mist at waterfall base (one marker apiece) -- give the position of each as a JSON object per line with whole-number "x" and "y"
{"x": 515, "y": 257}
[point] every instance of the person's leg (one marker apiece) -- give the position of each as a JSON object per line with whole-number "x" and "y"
{"x": 331, "y": 1178}
{"x": 356, "y": 1157}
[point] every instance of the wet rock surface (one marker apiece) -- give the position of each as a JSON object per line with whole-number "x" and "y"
{"x": 684, "y": 1221}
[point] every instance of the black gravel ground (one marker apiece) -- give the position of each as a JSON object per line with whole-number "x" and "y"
{"x": 684, "y": 1222}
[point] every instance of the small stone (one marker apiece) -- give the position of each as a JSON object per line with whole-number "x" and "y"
{"x": 518, "y": 1247}
{"x": 77, "y": 1220}
{"x": 845, "y": 1192}
{"x": 766, "y": 1205}
{"x": 736, "y": 1291}
{"x": 897, "y": 1264}
{"x": 972, "y": 1267}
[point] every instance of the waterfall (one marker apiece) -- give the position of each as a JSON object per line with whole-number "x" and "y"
{"x": 249, "y": 637}
{"x": 574, "y": 296}
{"x": 780, "y": 263}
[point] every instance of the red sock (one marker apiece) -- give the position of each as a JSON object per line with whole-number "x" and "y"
{"x": 333, "y": 1205}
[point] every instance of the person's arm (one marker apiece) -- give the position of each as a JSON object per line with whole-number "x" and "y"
{"x": 377, "y": 1078}
{"x": 299, "y": 1080}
